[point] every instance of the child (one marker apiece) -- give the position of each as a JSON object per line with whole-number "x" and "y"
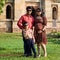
{"x": 28, "y": 35}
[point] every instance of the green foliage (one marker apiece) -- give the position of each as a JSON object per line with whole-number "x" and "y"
{"x": 2, "y": 2}
{"x": 54, "y": 34}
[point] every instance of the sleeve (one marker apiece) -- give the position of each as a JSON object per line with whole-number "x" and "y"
{"x": 19, "y": 23}
{"x": 44, "y": 21}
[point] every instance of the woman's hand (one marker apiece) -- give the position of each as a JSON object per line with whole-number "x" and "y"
{"x": 40, "y": 31}
{"x": 44, "y": 28}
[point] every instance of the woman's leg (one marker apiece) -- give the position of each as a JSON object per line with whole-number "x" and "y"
{"x": 44, "y": 49}
{"x": 38, "y": 49}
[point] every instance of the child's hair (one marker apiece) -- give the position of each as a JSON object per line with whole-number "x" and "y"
{"x": 25, "y": 24}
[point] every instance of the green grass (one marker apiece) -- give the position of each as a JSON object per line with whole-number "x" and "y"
{"x": 11, "y": 48}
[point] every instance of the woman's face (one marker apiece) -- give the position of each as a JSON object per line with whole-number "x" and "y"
{"x": 38, "y": 12}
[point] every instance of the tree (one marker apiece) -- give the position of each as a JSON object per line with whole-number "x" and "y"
{"x": 2, "y": 2}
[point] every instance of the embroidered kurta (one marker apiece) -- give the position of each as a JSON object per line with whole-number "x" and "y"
{"x": 28, "y": 34}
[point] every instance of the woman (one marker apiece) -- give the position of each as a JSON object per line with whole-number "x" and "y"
{"x": 39, "y": 31}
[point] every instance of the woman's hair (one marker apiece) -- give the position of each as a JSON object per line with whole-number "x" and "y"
{"x": 33, "y": 12}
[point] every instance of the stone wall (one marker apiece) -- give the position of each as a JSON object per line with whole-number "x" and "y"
{"x": 16, "y": 29}
{"x": 20, "y": 9}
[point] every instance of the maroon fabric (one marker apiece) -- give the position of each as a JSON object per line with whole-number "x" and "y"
{"x": 40, "y": 23}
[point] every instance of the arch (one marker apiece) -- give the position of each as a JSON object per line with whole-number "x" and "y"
{"x": 8, "y": 12}
{"x": 10, "y": 9}
{"x": 54, "y": 13}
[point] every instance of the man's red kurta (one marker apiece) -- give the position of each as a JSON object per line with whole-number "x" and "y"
{"x": 26, "y": 18}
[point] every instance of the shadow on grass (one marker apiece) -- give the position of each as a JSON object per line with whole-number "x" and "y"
{"x": 2, "y": 48}
{"x": 12, "y": 54}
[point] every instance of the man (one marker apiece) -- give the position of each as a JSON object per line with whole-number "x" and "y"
{"x": 30, "y": 20}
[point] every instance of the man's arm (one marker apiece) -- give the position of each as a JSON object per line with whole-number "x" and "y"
{"x": 19, "y": 23}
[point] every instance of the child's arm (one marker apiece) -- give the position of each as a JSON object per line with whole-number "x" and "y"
{"x": 33, "y": 35}
{"x": 33, "y": 39}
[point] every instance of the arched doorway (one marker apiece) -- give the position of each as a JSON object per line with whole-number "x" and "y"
{"x": 54, "y": 15}
{"x": 8, "y": 12}
{"x": 9, "y": 18}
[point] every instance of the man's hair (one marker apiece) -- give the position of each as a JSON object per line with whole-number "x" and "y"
{"x": 28, "y": 7}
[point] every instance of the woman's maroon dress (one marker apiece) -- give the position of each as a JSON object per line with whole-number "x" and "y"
{"x": 40, "y": 23}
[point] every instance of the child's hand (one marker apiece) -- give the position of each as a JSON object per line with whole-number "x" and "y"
{"x": 34, "y": 40}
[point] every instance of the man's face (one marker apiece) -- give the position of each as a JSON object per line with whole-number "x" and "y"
{"x": 29, "y": 11}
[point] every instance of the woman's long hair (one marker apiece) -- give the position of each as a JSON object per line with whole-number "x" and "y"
{"x": 33, "y": 12}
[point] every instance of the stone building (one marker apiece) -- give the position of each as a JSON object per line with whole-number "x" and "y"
{"x": 13, "y": 9}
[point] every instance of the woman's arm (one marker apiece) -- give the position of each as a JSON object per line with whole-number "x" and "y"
{"x": 44, "y": 23}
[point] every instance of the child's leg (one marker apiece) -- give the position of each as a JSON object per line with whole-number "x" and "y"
{"x": 44, "y": 49}
{"x": 33, "y": 48}
{"x": 25, "y": 46}
{"x": 38, "y": 49}
{"x": 28, "y": 48}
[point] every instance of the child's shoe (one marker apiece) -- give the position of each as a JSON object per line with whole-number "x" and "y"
{"x": 35, "y": 55}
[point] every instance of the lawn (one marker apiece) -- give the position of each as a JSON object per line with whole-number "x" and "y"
{"x": 11, "y": 48}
